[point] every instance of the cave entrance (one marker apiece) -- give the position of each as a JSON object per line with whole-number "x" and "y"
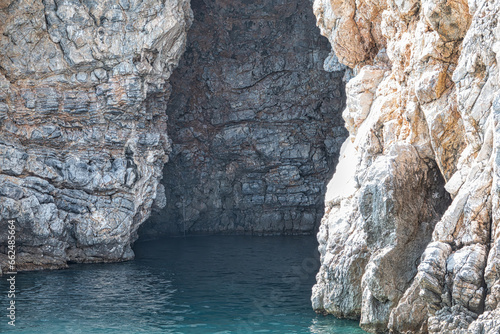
{"x": 255, "y": 122}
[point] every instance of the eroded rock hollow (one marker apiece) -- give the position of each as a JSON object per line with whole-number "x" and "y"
{"x": 410, "y": 241}
{"x": 255, "y": 122}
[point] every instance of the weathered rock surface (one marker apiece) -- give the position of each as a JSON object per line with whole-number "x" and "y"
{"x": 397, "y": 250}
{"x": 83, "y": 87}
{"x": 255, "y": 122}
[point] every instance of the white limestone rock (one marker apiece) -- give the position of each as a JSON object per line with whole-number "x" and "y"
{"x": 439, "y": 98}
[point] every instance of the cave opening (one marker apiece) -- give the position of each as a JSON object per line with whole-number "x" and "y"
{"x": 255, "y": 123}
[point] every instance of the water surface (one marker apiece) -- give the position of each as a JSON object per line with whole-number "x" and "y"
{"x": 228, "y": 284}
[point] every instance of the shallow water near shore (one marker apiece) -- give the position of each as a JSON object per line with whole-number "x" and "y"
{"x": 209, "y": 284}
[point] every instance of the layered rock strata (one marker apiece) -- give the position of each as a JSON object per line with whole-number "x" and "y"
{"x": 83, "y": 88}
{"x": 397, "y": 250}
{"x": 255, "y": 122}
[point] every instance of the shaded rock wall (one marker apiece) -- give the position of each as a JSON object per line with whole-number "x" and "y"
{"x": 255, "y": 122}
{"x": 397, "y": 251}
{"x": 83, "y": 88}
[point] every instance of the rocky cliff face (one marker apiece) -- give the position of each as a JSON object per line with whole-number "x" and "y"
{"x": 83, "y": 87}
{"x": 410, "y": 242}
{"x": 255, "y": 122}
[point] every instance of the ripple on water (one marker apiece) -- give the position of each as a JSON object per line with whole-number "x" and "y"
{"x": 181, "y": 285}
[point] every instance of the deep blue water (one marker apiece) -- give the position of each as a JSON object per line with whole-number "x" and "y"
{"x": 180, "y": 285}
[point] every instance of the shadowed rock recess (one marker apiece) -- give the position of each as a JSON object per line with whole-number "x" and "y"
{"x": 410, "y": 242}
{"x": 255, "y": 122}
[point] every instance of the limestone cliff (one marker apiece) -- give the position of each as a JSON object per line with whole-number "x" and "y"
{"x": 254, "y": 120}
{"x": 83, "y": 141}
{"x": 410, "y": 242}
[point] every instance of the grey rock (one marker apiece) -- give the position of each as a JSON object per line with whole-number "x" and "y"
{"x": 82, "y": 123}
{"x": 249, "y": 115}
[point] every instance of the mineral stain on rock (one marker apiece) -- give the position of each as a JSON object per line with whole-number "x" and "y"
{"x": 410, "y": 239}
{"x": 255, "y": 122}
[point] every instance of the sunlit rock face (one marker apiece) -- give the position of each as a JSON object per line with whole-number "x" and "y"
{"x": 255, "y": 122}
{"x": 83, "y": 88}
{"x": 410, "y": 242}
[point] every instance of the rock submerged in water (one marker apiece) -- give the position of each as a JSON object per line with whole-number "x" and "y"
{"x": 83, "y": 141}
{"x": 410, "y": 241}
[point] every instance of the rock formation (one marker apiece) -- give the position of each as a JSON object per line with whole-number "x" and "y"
{"x": 410, "y": 242}
{"x": 84, "y": 85}
{"x": 255, "y": 122}
{"x": 83, "y": 88}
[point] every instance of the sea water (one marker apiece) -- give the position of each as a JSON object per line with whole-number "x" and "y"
{"x": 210, "y": 284}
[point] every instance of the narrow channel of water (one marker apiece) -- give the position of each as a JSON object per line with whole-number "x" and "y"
{"x": 226, "y": 284}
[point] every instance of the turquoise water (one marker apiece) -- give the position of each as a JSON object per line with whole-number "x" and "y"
{"x": 180, "y": 285}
